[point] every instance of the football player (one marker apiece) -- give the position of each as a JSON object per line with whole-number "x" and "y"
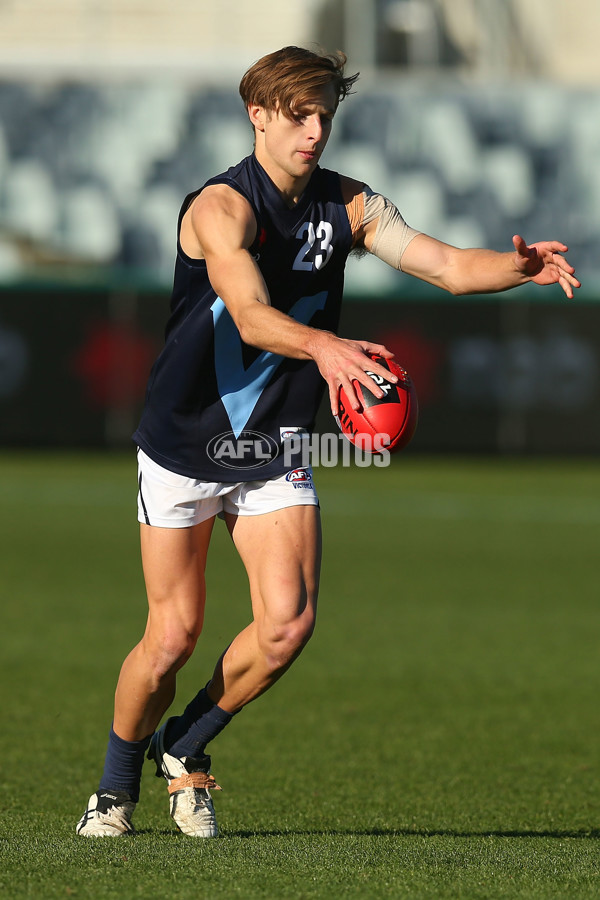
{"x": 250, "y": 346}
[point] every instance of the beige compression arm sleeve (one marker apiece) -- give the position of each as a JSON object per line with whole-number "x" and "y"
{"x": 393, "y": 235}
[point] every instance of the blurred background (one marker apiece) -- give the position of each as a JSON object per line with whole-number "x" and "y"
{"x": 479, "y": 118}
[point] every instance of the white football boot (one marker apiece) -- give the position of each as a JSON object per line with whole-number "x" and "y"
{"x": 108, "y": 814}
{"x": 189, "y": 781}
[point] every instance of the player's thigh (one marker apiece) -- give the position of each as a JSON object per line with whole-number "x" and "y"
{"x": 174, "y": 563}
{"x": 281, "y": 552}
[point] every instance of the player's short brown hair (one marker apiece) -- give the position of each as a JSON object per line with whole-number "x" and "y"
{"x": 288, "y": 78}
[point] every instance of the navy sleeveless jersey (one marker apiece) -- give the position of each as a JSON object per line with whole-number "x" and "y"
{"x": 217, "y": 409}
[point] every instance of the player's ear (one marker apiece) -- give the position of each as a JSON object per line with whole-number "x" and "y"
{"x": 257, "y": 115}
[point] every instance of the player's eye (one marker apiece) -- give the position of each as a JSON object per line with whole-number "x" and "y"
{"x": 325, "y": 118}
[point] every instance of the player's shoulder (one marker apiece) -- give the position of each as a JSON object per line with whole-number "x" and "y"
{"x": 351, "y": 188}
{"x": 220, "y": 200}
{"x": 218, "y": 215}
{"x": 220, "y": 196}
{"x": 353, "y": 197}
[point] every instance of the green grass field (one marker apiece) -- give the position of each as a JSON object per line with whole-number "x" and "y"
{"x": 438, "y": 738}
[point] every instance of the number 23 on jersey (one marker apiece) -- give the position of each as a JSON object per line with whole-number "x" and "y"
{"x": 317, "y": 247}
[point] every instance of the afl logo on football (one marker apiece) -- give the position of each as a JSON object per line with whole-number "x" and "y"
{"x": 248, "y": 450}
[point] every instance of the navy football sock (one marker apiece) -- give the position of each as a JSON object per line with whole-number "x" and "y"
{"x": 123, "y": 765}
{"x": 202, "y": 720}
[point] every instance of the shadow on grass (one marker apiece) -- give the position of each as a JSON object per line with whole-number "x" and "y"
{"x": 591, "y": 834}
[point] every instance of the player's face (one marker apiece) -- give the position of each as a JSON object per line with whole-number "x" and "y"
{"x": 289, "y": 149}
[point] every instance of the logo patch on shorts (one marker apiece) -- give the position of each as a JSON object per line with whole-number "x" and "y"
{"x": 293, "y": 432}
{"x": 300, "y": 478}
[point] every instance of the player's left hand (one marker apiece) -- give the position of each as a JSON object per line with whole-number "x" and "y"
{"x": 544, "y": 263}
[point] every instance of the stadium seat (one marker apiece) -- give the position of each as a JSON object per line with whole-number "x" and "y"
{"x": 507, "y": 171}
{"x": 89, "y": 225}
{"x": 449, "y": 143}
{"x": 158, "y": 211}
{"x": 421, "y": 199}
{"x": 29, "y": 201}
{"x": 357, "y": 160}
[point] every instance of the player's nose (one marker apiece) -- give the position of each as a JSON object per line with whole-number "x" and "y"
{"x": 315, "y": 127}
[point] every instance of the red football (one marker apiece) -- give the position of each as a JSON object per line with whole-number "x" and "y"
{"x": 386, "y": 423}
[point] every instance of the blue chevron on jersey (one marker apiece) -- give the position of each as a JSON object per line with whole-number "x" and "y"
{"x": 240, "y": 388}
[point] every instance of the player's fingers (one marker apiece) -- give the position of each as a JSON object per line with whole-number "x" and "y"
{"x": 566, "y": 270}
{"x": 380, "y": 372}
{"x": 365, "y": 379}
{"x": 350, "y": 391}
{"x": 378, "y": 349}
{"x": 370, "y": 365}
{"x": 520, "y": 245}
{"x": 568, "y": 282}
{"x": 563, "y": 264}
{"x": 334, "y": 397}
{"x": 566, "y": 288}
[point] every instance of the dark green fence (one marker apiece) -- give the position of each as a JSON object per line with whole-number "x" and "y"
{"x": 517, "y": 372}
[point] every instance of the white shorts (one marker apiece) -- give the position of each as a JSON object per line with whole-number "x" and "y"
{"x": 175, "y": 501}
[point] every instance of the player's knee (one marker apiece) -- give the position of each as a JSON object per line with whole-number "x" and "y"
{"x": 170, "y": 648}
{"x": 286, "y": 641}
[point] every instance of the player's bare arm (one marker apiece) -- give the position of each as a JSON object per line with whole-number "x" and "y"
{"x": 486, "y": 271}
{"x": 220, "y": 227}
{"x": 475, "y": 271}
